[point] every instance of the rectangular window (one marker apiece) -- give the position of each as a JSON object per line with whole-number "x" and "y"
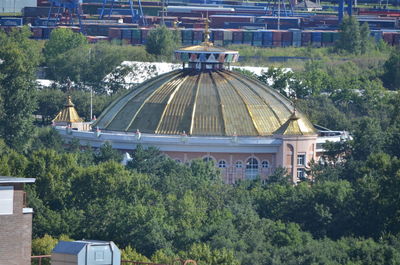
{"x": 301, "y": 160}
{"x": 6, "y": 200}
{"x": 300, "y": 173}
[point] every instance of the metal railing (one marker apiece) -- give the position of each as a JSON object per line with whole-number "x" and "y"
{"x": 39, "y": 259}
{"x": 175, "y": 262}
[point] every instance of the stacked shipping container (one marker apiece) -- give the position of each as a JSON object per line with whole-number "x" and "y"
{"x": 225, "y": 37}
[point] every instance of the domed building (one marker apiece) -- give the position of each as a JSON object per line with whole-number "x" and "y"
{"x": 206, "y": 111}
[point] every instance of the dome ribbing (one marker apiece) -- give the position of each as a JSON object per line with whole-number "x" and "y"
{"x": 203, "y": 103}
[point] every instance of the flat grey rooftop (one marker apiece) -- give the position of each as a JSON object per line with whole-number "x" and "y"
{"x": 16, "y": 180}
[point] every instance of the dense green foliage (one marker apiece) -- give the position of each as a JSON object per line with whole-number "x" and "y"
{"x": 162, "y": 41}
{"x": 68, "y": 56}
{"x": 391, "y": 76}
{"x": 18, "y": 61}
{"x": 160, "y": 210}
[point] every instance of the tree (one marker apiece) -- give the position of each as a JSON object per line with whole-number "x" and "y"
{"x": 50, "y": 102}
{"x": 161, "y": 41}
{"x": 107, "y": 153}
{"x": 391, "y": 76}
{"x": 368, "y": 138}
{"x": 204, "y": 255}
{"x": 280, "y": 79}
{"x": 18, "y": 61}
{"x": 62, "y": 40}
{"x": 131, "y": 254}
{"x": 280, "y": 176}
{"x": 365, "y": 38}
{"x": 350, "y": 39}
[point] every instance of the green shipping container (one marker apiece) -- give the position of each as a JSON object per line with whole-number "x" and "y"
{"x": 227, "y": 42}
{"x": 326, "y": 37}
{"x": 335, "y": 36}
{"x": 136, "y": 34}
{"x": 247, "y": 36}
{"x": 257, "y": 43}
{"x": 187, "y": 34}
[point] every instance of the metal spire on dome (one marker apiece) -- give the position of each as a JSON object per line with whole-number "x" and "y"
{"x": 206, "y": 56}
{"x": 207, "y": 32}
{"x": 294, "y": 113}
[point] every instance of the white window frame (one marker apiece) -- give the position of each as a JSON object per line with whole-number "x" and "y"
{"x": 252, "y": 168}
{"x": 303, "y": 158}
{"x": 301, "y": 173}
{"x": 6, "y": 200}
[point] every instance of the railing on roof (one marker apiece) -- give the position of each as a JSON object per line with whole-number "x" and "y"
{"x": 41, "y": 258}
{"x": 175, "y": 262}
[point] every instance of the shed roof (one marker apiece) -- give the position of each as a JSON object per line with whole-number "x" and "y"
{"x": 16, "y": 180}
{"x": 68, "y": 247}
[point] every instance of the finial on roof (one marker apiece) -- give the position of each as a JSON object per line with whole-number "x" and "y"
{"x": 207, "y": 34}
{"x": 69, "y": 102}
{"x": 294, "y": 103}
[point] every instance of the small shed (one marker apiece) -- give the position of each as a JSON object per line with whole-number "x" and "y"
{"x": 86, "y": 252}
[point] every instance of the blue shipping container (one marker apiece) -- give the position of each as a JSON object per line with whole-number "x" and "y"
{"x": 10, "y": 21}
{"x": 258, "y": 36}
{"x": 267, "y": 36}
{"x": 316, "y": 37}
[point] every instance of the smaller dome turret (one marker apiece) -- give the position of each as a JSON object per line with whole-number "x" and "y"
{"x": 69, "y": 114}
{"x": 296, "y": 125}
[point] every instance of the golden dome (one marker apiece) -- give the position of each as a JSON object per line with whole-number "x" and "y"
{"x": 68, "y": 114}
{"x": 207, "y": 102}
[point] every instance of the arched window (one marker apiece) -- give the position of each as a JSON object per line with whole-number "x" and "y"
{"x": 239, "y": 164}
{"x": 222, "y": 164}
{"x": 265, "y": 164}
{"x": 209, "y": 159}
{"x": 177, "y": 160}
{"x": 251, "y": 168}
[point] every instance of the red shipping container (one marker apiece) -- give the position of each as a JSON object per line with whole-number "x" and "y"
{"x": 218, "y": 21}
{"x": 286, "y": 36}
{"x": 192, "y": 20}
{"x": 396, "y": 39}
{"x": 114, "y": 33}
{"x": 388, "y": 37}
{"x": 37, "y": 33}
{"x": 276, "y": 36}
{"x": 199, "y": 25}
{"x": 276, "y": 44}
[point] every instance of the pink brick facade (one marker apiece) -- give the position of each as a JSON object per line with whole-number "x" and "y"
{"x": 235, "y": 166}
{"x": 16, "y": 231}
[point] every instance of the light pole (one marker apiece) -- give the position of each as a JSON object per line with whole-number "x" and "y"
{"x": 91, "y": 92}
{"x": 279, "y": 14}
